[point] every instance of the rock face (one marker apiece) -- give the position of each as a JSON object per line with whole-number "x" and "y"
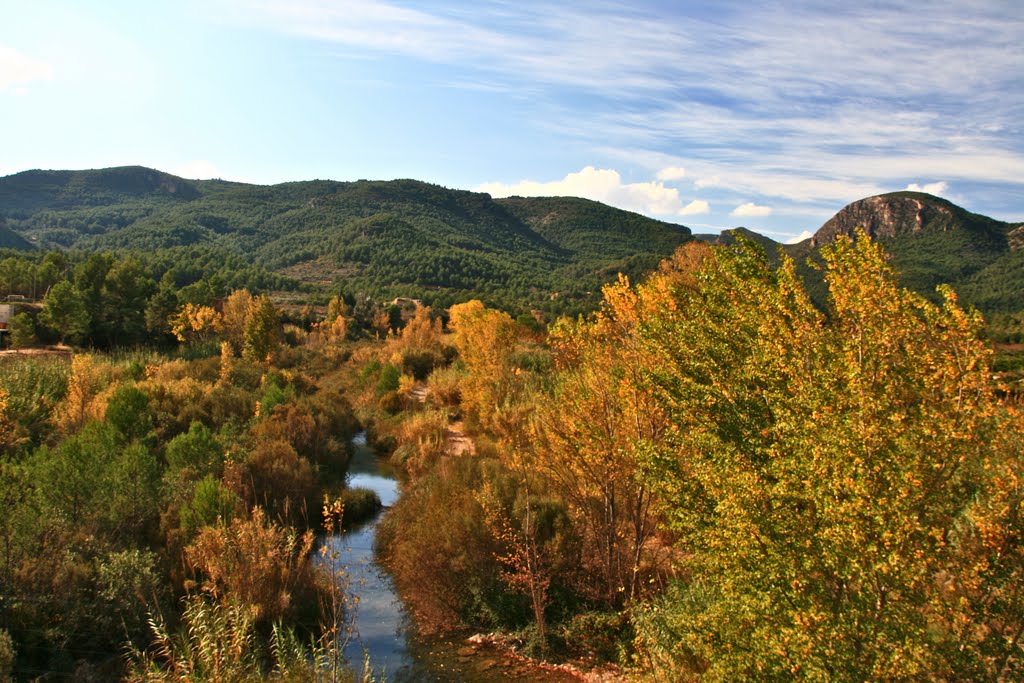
{"x": 889, "y": 215}
{"x": 1016, "y": 238}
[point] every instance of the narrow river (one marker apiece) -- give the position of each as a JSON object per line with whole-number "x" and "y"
{"x": 382, "y": 627}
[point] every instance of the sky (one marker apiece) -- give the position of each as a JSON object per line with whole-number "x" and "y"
{"x": 767, "y": 115}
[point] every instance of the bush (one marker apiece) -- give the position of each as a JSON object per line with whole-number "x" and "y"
{"x": 604, "y": 636}
{"x": 421, "y": 439}
{"x": 211, "y": 504}
{"x": 128, "y": 412}
{"x": 389, "y": 379}
{"x": 279, "y": 479}
{"x": 361, "y": 505}
{"x": 7, "y": 655}
{"x": 195, "y": 453}
{"x": 445, "y": 387}
{"x": 256, "y": 562}
{"x": 437, "y": 544}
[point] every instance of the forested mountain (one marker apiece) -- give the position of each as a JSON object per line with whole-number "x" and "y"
{"x": 401, "y": 237}
{"x": 409, "y": 238}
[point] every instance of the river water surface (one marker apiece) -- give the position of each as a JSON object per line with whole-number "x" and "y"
{"x": 383, "y": 629}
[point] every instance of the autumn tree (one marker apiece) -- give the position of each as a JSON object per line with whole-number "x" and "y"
{"x": 262, "y": 332}
{"x": 380, "y": 323}
{"x": 195, "y": 323}
{"x": 589, "y": 434}
{"x": 418, "y": 349}
{"x": 839, "y": 482}
{"x": 485, "y": 339}
{"x": 337, "y": 308}
{"x": 238, "y": 308}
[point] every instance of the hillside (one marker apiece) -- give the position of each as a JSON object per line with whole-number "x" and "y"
{"x": 396, "y": 238}
{"x": 409, "y": 238}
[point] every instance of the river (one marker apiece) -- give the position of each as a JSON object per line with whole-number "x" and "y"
{"x": 381, "y": 626}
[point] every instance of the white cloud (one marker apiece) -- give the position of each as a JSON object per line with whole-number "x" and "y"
{"x": 672, "y": 173}
{"x": 198, "y": 169}
{"x": 805, "y": 235}
{"x": 750, "y": 209}
{"x": 938, "y": 188}
{"x": 697, "y": 206}
{"x": 17, "y": 68}
{"x": 602, "y": 185}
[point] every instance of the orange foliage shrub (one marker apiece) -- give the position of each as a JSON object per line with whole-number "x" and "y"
{"x": 255, "y": 561}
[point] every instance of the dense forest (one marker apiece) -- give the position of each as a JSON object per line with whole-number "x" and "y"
{"x": 726, "y": 472}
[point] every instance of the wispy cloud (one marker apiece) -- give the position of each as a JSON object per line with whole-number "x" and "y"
{"x": 18, "y": 69}
{"x": 818, "y": 102}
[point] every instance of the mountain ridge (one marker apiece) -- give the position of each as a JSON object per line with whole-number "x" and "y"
{"x": 388, "y": 238}
{"x": 408, "y": 237}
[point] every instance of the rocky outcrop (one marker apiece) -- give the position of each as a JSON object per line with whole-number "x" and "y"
{"x": 1016, "y": 238}
{"x": 889, "y": 215}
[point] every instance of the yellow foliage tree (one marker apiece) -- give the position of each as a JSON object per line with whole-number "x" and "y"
{"x": 194, "y": 322}
{"x": 485, "y": 339}
{"x": 590, "y": 432}
{"x": 845, "y": 486}
{"x": 235, "y": 313}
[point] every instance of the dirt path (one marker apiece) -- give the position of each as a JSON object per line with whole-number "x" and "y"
{"x": 457, "y": 441}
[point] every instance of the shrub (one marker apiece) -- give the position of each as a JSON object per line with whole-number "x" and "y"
{"x": 445, "y": 386}
{"x": 7, "y": 655}
{"x": 279, "y": 479}
{"x": 211, "y": 504}
{"x": 436, "y": 542}
{"x": 255, "y": 562}
{"x": 195, "y": 453}
{"x": 421, "y": 439}
{"x": 604, "y": 636}
{"x": 389, "y": 379}
{"x": 361, "y": 504}
{"x": 128, "y": 412}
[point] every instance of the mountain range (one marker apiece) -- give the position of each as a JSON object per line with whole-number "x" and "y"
{"x": 410, "y": 238}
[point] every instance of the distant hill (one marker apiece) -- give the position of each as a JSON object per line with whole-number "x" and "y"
{"x": 731, "y": 236}
{"x": 396, "y": 238}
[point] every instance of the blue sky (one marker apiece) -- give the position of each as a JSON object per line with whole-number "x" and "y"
{"x": 771, "y": 115}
